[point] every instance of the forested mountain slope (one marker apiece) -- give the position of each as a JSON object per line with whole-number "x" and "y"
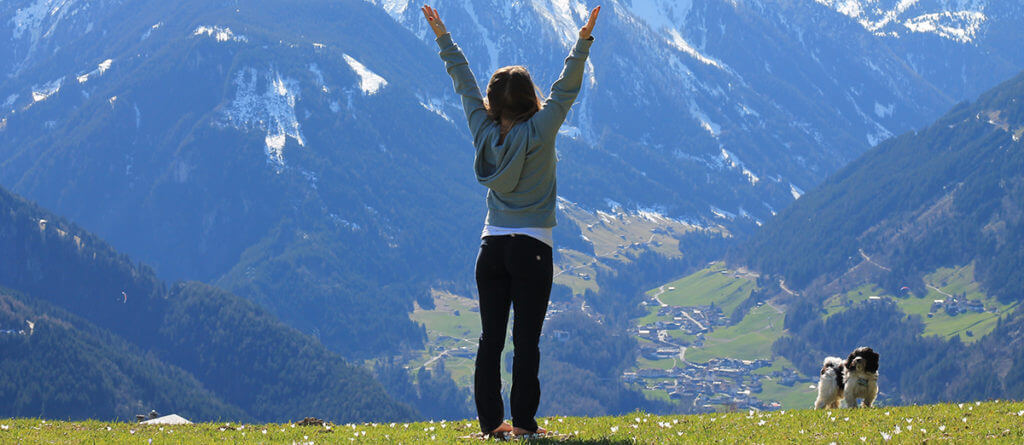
{"x": 914, "y": 249}
{"x": 154, "y": 337}
{"x": 55, "y": 365}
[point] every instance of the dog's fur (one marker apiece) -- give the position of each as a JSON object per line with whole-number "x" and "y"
{"x": 861, "y": 377}
{"x": 848, "y": 380}
{"x": 831, "y": 383}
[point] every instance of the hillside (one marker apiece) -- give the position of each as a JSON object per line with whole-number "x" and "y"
{"x": 58, "y": 366}
{"x": 921, "y": 235}
{"x": 248, "y": 362}
{"x": 967, "y": 423}
{"x": 947, "y": 195}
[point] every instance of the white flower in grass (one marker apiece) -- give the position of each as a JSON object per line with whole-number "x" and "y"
{"x": 264, "y": 431}
{"x": 432, "y": 437}
{"x": 964, "y": 420}
{"x": 863, "y": 439}
{"x": 942, "y": 427}
{"x": 108, "y": 428}
{"x": 898, "y": 430}
{"x": 960, "y": 405}
{"x": 761, "y": 423}
{"x": 977, "y": 403}
{"x": 675, "y": 421}
{"x": 887, "y": 413}
{"x": 886, "y": 436}
{"x": 4, "y": 427}
{"x": 615, "y": 429}
{"x": 801, "y": 431}
{"x": 131, "y": 431}
{"x": 924, "y": 431}
{"x": 392, "y": 425}
{"x": 559, "y": 420}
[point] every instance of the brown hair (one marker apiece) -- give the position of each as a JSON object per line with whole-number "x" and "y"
{"x": 512, "y": 96}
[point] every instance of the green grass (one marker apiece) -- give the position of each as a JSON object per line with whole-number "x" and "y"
{"x": 984, "y": 423}
{"x": 955, "y": 281}
{"x": 651, "y": 317}
{"x": 750, "y": 339}
{"x": 839, "y": 303}
{"x": 798, "y": 396}
{"x": 708, "y": 286}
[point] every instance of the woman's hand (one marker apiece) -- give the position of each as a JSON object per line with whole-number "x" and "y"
{"x": 589, "y": 27}
{"x": 434, "y": 21}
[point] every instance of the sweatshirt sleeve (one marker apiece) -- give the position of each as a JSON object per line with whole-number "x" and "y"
{"x": 465, "y": 84}
{"x": 564, "y": 90}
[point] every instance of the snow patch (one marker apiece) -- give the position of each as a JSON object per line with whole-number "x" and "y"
{"x": 705, "y": 122}
{"x": 221, "y": 34}
{"x": 313, "y": 68}
{"x": 100, "y": 69}
{"x": 29, "y": 20}
{"x": 795, "y": 191}
{"x": 41, "y": 93}
{"x": 559, "y": 13}
{"x": 722, "y": 213}
{"x": 659, "y": 14}
{"x": 394, "y": 8}
{"x": 433, "y": 105}
{"x": 678, "y": 42}
{"x": 149, "y": 31}
{"x": 570, "y": 131}
{"x": 884, "y": 110}
{"x": 266, "y": 101}
{"x": 369, "y": 81}
{"x": 959, "y": 26}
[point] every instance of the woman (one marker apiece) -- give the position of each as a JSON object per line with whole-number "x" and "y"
{"x": 514, "y": 136}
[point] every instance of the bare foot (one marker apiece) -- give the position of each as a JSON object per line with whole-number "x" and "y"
{"x": 502, "y": 429}
{"x": 521, "y": 432}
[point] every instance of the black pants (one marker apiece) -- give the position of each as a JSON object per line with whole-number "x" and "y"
{"x": 511, "y": 270}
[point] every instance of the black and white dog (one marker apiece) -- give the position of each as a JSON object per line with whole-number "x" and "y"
{"x": 848, "y": 380}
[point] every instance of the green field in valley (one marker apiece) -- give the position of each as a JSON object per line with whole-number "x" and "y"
{"x": 966, "y": 423}
{"x": 715, "y": 284}
{"x": 750, "y": 339}
{"x": 941, "y": 284}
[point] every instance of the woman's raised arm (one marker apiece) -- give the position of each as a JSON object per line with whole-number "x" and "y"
{"x": 567, "y": 87}
{"x": 462, "y": 77}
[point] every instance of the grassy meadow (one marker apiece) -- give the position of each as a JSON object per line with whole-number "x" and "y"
{"x": 966, "y": 423}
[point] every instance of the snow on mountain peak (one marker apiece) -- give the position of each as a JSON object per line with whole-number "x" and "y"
{"x": 272, "y": 110}
{"x": 959, "y": 20}
{"x": 369, "y": 81}
{"x": 221, "y": 34}
{"x": 560, "y": 14}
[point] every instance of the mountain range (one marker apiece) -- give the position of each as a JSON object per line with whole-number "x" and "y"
{"x": 310, "y": 159}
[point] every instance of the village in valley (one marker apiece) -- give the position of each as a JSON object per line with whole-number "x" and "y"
{"x": 709, "y": 386}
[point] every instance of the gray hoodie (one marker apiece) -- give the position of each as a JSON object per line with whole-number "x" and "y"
{"x": 519, "y": 173}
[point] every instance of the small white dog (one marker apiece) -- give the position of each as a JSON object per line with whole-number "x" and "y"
{"x": 848, "y": 380}
{"x": 831, "y": 383}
